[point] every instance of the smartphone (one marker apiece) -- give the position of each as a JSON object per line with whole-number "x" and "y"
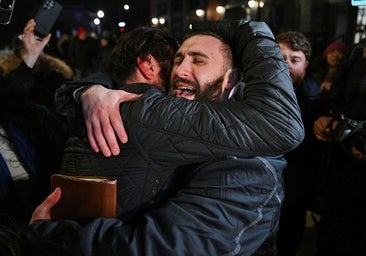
{"x": 6, "y": 10}
{"x": 46, "y": 17}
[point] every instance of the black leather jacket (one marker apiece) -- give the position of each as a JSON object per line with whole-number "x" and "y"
{"x": 167, "y": 132}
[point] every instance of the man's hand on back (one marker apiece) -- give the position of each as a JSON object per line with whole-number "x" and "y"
{"x": 103, "y": 119}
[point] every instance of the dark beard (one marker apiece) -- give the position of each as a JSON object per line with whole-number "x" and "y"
{"x": 212, "y": 90}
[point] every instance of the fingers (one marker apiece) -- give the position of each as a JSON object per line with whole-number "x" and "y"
{"x": 116, "y": 119}
{"x": 119, "y": 128}
{"x": 101, "y": 135}
{"x": 115, "y": 124}
{"x": 29, "y": 34}
{"x": 43, "y": 211}
{"x": 358, "y": 154}
{"x": 109, "y": 135}
{"x": 90, "y": 133}
{"x": 29, "y": 27}
{"x": 321, "y": 138}
{"x": 45, "y": 40}
{"x": 321, "y": 130}
{"x": 103, "y": 118}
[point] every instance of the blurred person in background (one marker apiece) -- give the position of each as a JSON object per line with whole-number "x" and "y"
{"x": 342, "y": 226}
{"x": 325, "y": 67}
{"x": 303, "y": 163}
{"x": 106, "y": 43}
{"x": 63, "y": 45}
{"x": 32, "y": 138}
{"x": 83, "y": 54}
{"x": 48, "y": 74}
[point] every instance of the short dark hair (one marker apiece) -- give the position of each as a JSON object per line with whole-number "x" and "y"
{"x": 296, "y": 41}
{"x": 140, "y": 42}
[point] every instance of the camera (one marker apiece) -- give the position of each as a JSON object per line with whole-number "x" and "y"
{"x": 346, "y": 128}
{"x": 351, "y": 133}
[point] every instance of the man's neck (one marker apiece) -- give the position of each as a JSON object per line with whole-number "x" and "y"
{"x": 137, "y": 77}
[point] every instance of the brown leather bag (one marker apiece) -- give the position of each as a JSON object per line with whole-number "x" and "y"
{"x": 84, "y": 197}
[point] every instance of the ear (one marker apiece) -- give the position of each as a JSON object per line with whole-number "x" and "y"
{"x": 232, "y": 76}
{"x": 146, "y": 67}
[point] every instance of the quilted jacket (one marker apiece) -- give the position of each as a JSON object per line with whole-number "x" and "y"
{"x": 167, "y": 132}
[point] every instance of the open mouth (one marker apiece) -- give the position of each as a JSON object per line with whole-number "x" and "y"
{"x": 185, "y": 91}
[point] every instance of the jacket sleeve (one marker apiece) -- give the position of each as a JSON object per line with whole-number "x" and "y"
{"x": 107, "y": 236}
{"x": 265, "y": 119}
{"x": 19, "y": 79}
{"x": 64, "y": 96}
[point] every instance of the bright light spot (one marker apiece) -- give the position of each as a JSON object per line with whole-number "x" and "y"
{"x": 155, "y": 21}
{"x": 261, "y": 4}
{"x": 126, "y": 7}
{"x": 252, "y": 3}
{"x": 161, "y": 21}
{"x": 100, "y": 14}
{"x": 220, "y": 9}
{"x": 96, "y": 21}
{"x": 121, "y": 24}
{"x": 190, "y": 26}
{"x": 200, "y": 12}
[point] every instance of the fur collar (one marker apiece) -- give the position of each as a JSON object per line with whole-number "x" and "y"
{"x": 46, "y": 62}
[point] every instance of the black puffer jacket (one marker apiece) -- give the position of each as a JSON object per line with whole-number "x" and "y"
{"x": 167, "y": 132}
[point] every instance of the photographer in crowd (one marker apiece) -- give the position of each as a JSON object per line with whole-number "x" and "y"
{"x": 342, "y": 228}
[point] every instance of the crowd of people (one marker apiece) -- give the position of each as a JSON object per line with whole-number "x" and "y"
{"x": 217, "y": 151}
{"x": 83, "y": 51}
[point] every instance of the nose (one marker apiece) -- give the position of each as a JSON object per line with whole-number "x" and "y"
{"x": 183, "y": 69}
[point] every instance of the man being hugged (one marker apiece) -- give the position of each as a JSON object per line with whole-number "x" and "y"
{"x": 224, "y": 155}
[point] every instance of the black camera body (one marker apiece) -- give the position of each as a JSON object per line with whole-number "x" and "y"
{"x": 344, "y": 129}
{"x": 349, "y": 131}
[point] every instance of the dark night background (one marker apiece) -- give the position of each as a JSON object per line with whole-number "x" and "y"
{"x": 71, "y": 16}
{"x": 322, "y": 21}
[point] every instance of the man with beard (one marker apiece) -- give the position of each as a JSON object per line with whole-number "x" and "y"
{"x": 212, "y": 159}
